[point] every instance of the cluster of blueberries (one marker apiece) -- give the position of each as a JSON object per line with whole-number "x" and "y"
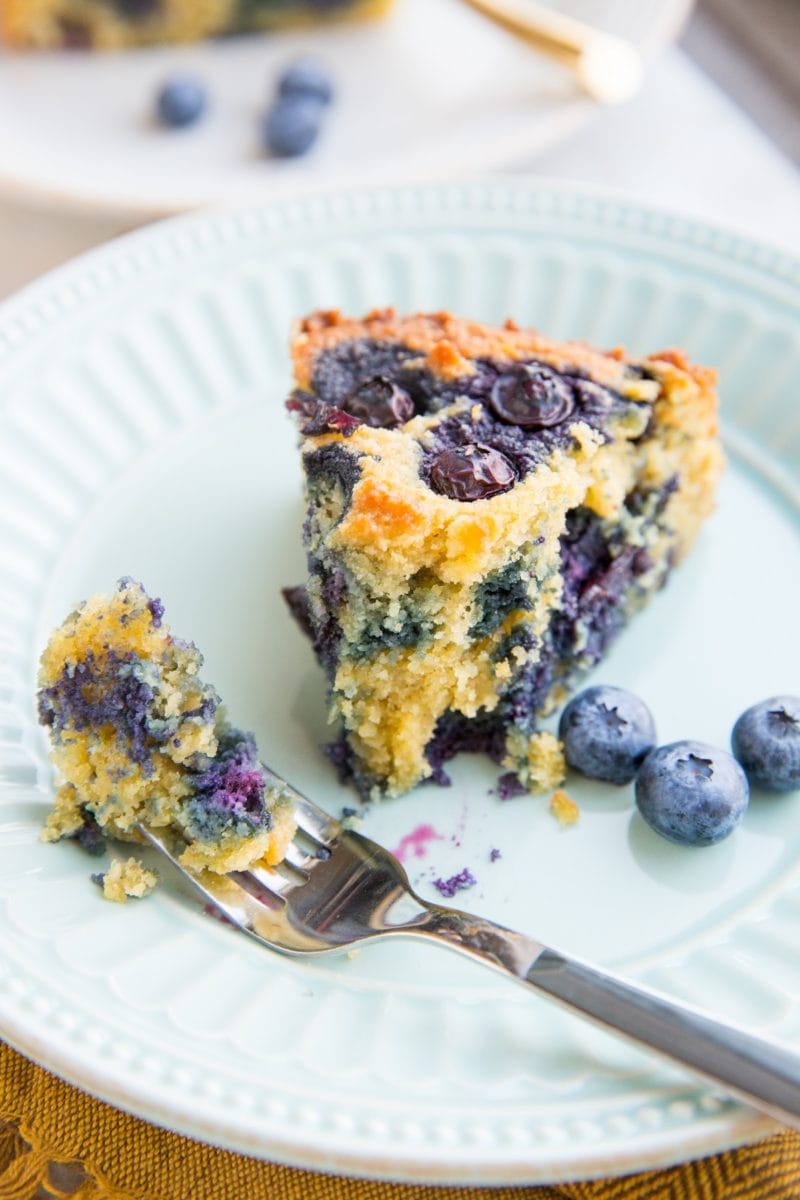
{"x": 687, "y": 791}
{"x": 290, "y": 125}
{"x": 531, "y": 399}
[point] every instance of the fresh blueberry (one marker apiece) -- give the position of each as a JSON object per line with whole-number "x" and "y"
{"x": 292, "y": 126}
{"x": 766, "y": 741}
{"x": 306, "y": 78}
{"x": 181, "y": 102}
{"x": 691, "y": 793}
{"x": 606, "y": 733}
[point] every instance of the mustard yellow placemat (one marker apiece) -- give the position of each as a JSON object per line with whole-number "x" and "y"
{"x": 124, "y": 1158}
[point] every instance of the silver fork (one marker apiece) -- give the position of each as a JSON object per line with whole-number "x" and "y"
{"x": 337, "y": 889}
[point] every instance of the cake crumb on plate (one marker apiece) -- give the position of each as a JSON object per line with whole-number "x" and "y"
{"x": 564, "y": 808}
{"x": 542, "y": 756}
{"x": 128, "y": 879}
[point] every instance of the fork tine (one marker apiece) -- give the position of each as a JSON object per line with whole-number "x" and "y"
{"x": 314, "y": 821}
{"x": 269, "y": 880}
{"x": 310, "y": 818}
{"x": 298, "y": 858}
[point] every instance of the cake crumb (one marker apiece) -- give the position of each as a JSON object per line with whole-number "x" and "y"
{"x": 65, "y": 819}
{"x": 456, "y": 883}
{"x": 494, "y": 854}
{"x": 537, "y": 759}
{"x": 644, "y": 391}
{"x": 127, "y": 879}
{"x": 509, "y": 786}
{"x": 564, "y": 808}
{"x": 476, "y": 412}
{"x": 546, "y": 766}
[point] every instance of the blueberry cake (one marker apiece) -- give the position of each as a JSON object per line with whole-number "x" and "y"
{"x": 137, "y": 736}
{"x": 115, "y": 24}
{"x": 485, "y": 509}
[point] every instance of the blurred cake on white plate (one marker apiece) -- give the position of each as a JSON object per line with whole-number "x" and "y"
{"x": 117, "y": 24}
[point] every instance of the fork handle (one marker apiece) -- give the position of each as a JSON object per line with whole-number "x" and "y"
{"x": 608, "y": 68}
{"x": 752, "y": 1068}
{"x": 761, "y": 1072}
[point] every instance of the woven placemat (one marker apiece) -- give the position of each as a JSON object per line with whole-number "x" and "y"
{"x": 118, "y": 1157}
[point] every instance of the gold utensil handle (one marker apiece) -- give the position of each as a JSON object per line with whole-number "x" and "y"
{"x": 608, "y": 68}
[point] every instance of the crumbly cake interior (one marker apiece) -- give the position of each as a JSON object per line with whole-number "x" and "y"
{"x": 115, "y": 24}
{"x": 486, "y": 509}
{"x": 137, "y": 736}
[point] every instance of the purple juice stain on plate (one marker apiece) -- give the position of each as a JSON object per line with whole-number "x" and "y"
{"x": 415, "y": 844}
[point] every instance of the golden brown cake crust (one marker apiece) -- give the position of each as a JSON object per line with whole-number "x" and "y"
{"x": 449, "y": 344}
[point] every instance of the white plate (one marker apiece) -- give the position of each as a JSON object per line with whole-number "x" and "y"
{"x": 433, "y": 91}
{"x": 143, "y": 433}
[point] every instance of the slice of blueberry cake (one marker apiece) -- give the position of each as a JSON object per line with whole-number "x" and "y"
{"x": 114, "y": 24}
{"x": 137, "y": 736}
{"x": 486, "y": 508}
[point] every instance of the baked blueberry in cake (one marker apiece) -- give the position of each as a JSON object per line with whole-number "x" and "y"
{"x": 138, "y": 736}
{"x": 485, "y": 510}
{"x": 114, "y": 24}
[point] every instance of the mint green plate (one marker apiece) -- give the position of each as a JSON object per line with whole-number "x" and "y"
{"x": 142, "y": 433}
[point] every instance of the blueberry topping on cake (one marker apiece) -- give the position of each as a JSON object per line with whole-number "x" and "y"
{"x": 379, "y": 402}
{"x": 475, "y": 549}
{"x": 137, "y": 736}
{"x": 692, "y": 793}
{"x": 534, "y": 397}
{"x": 766, "y": 741}
{"x": 471, "y": 472}
{"x": 314, "y": 417}
{"x": 607, "y": 732}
